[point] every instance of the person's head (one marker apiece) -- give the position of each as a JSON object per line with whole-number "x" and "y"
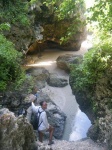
{"x": 43, "y": 104}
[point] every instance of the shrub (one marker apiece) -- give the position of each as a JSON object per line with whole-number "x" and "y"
{"x": 10, "y": 68}
{"x": 14, "y": 11}
{"x": 95, "y": 65}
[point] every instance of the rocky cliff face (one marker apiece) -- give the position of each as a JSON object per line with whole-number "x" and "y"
{"x": 98, "y": 106}
{"x": 21, "y": 36}
{"x": 15, "y": 133}
{"x": 53, "y": 29}
{"x": 46, "y": 30}
{"x": 17, "y": 100}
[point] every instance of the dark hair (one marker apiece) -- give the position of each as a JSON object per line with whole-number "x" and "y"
{"x": 41, "y": 103}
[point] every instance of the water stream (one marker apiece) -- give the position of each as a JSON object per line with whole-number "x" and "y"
{"x": 77, "y": 122}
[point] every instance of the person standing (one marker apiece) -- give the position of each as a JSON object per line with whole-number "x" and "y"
{"x": 43, "y": 125}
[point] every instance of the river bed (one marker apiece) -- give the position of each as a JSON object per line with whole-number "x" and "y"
{"x": 77, "y": 122}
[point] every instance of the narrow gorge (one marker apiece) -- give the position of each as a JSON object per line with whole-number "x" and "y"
{"x": 60, "y": 50}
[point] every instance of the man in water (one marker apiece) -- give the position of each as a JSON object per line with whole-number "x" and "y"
{"x": 43, "y": 122}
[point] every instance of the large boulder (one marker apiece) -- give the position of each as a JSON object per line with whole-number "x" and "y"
{"x": 93, "y": 132}
{"x": 39, "y": 73}
{"x": 15, "y": 133}
{"x": 64, "y": 61}
{"x": 14, "y": 100}
{"x": 57, "y": 81}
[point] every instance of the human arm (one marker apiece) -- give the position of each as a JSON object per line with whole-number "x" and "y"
{"x": 34, "y": 108}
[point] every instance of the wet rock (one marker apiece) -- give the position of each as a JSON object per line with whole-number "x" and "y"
{"x": 15, "y": 133}
{"x": 93, "y": 132}
{"x": 56, "y": 81}
{"x": 83, "y": 101}
{"x": 64, "y": 61}
{"x": 39, "y": 73}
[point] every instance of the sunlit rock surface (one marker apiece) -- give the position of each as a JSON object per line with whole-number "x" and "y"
{"x": 15, "y": 133}
{"x": 64, "y": 61}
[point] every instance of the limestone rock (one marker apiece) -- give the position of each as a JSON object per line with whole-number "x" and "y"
{"x": 84, "y": 144}
{"x": 93, "y": 132}
{"x": 39, "y": 73}
{"x": 57, "y": 81}
{"x": 15, "y": 133}
{"x": 21, "y": 36}
{"x": 97, "y": 104}
{"x": 109, "y": 140}
{"x": 64, "y": 61}
{"x": 40, "y": 84}
{"x": 53, "y": 29}
{"x": 15, "y": 100}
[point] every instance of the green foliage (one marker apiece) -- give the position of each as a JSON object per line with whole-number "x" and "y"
{"x": 24, "y": 83}
{"x": 64, "y": 9}
{"x": 101, "y": 13}
{"x": 95, "y": 64}
{"x": 72, "y": 11}
{"x": 4, "y": 26}
{"x": 14, "y": 11}
{"x": 33, "y": 1}
{"x": 9, "y": 63}
{"x": 98, "y": 60}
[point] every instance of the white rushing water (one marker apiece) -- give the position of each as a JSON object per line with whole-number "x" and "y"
{"x": 77, "y": 122}
{"x": 81, "y": 123}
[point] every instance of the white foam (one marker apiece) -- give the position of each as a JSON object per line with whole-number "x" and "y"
{"x": 81, "y": 123}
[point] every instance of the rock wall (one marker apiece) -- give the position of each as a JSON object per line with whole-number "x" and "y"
{"x": 21, "y": 36}
{"x": 54, "y": 29}
{"x": 98, "y": 106}
{"x": 20, "y": 99}
{"x": 15, "y": 133}
{"x": 45, "y": 30}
